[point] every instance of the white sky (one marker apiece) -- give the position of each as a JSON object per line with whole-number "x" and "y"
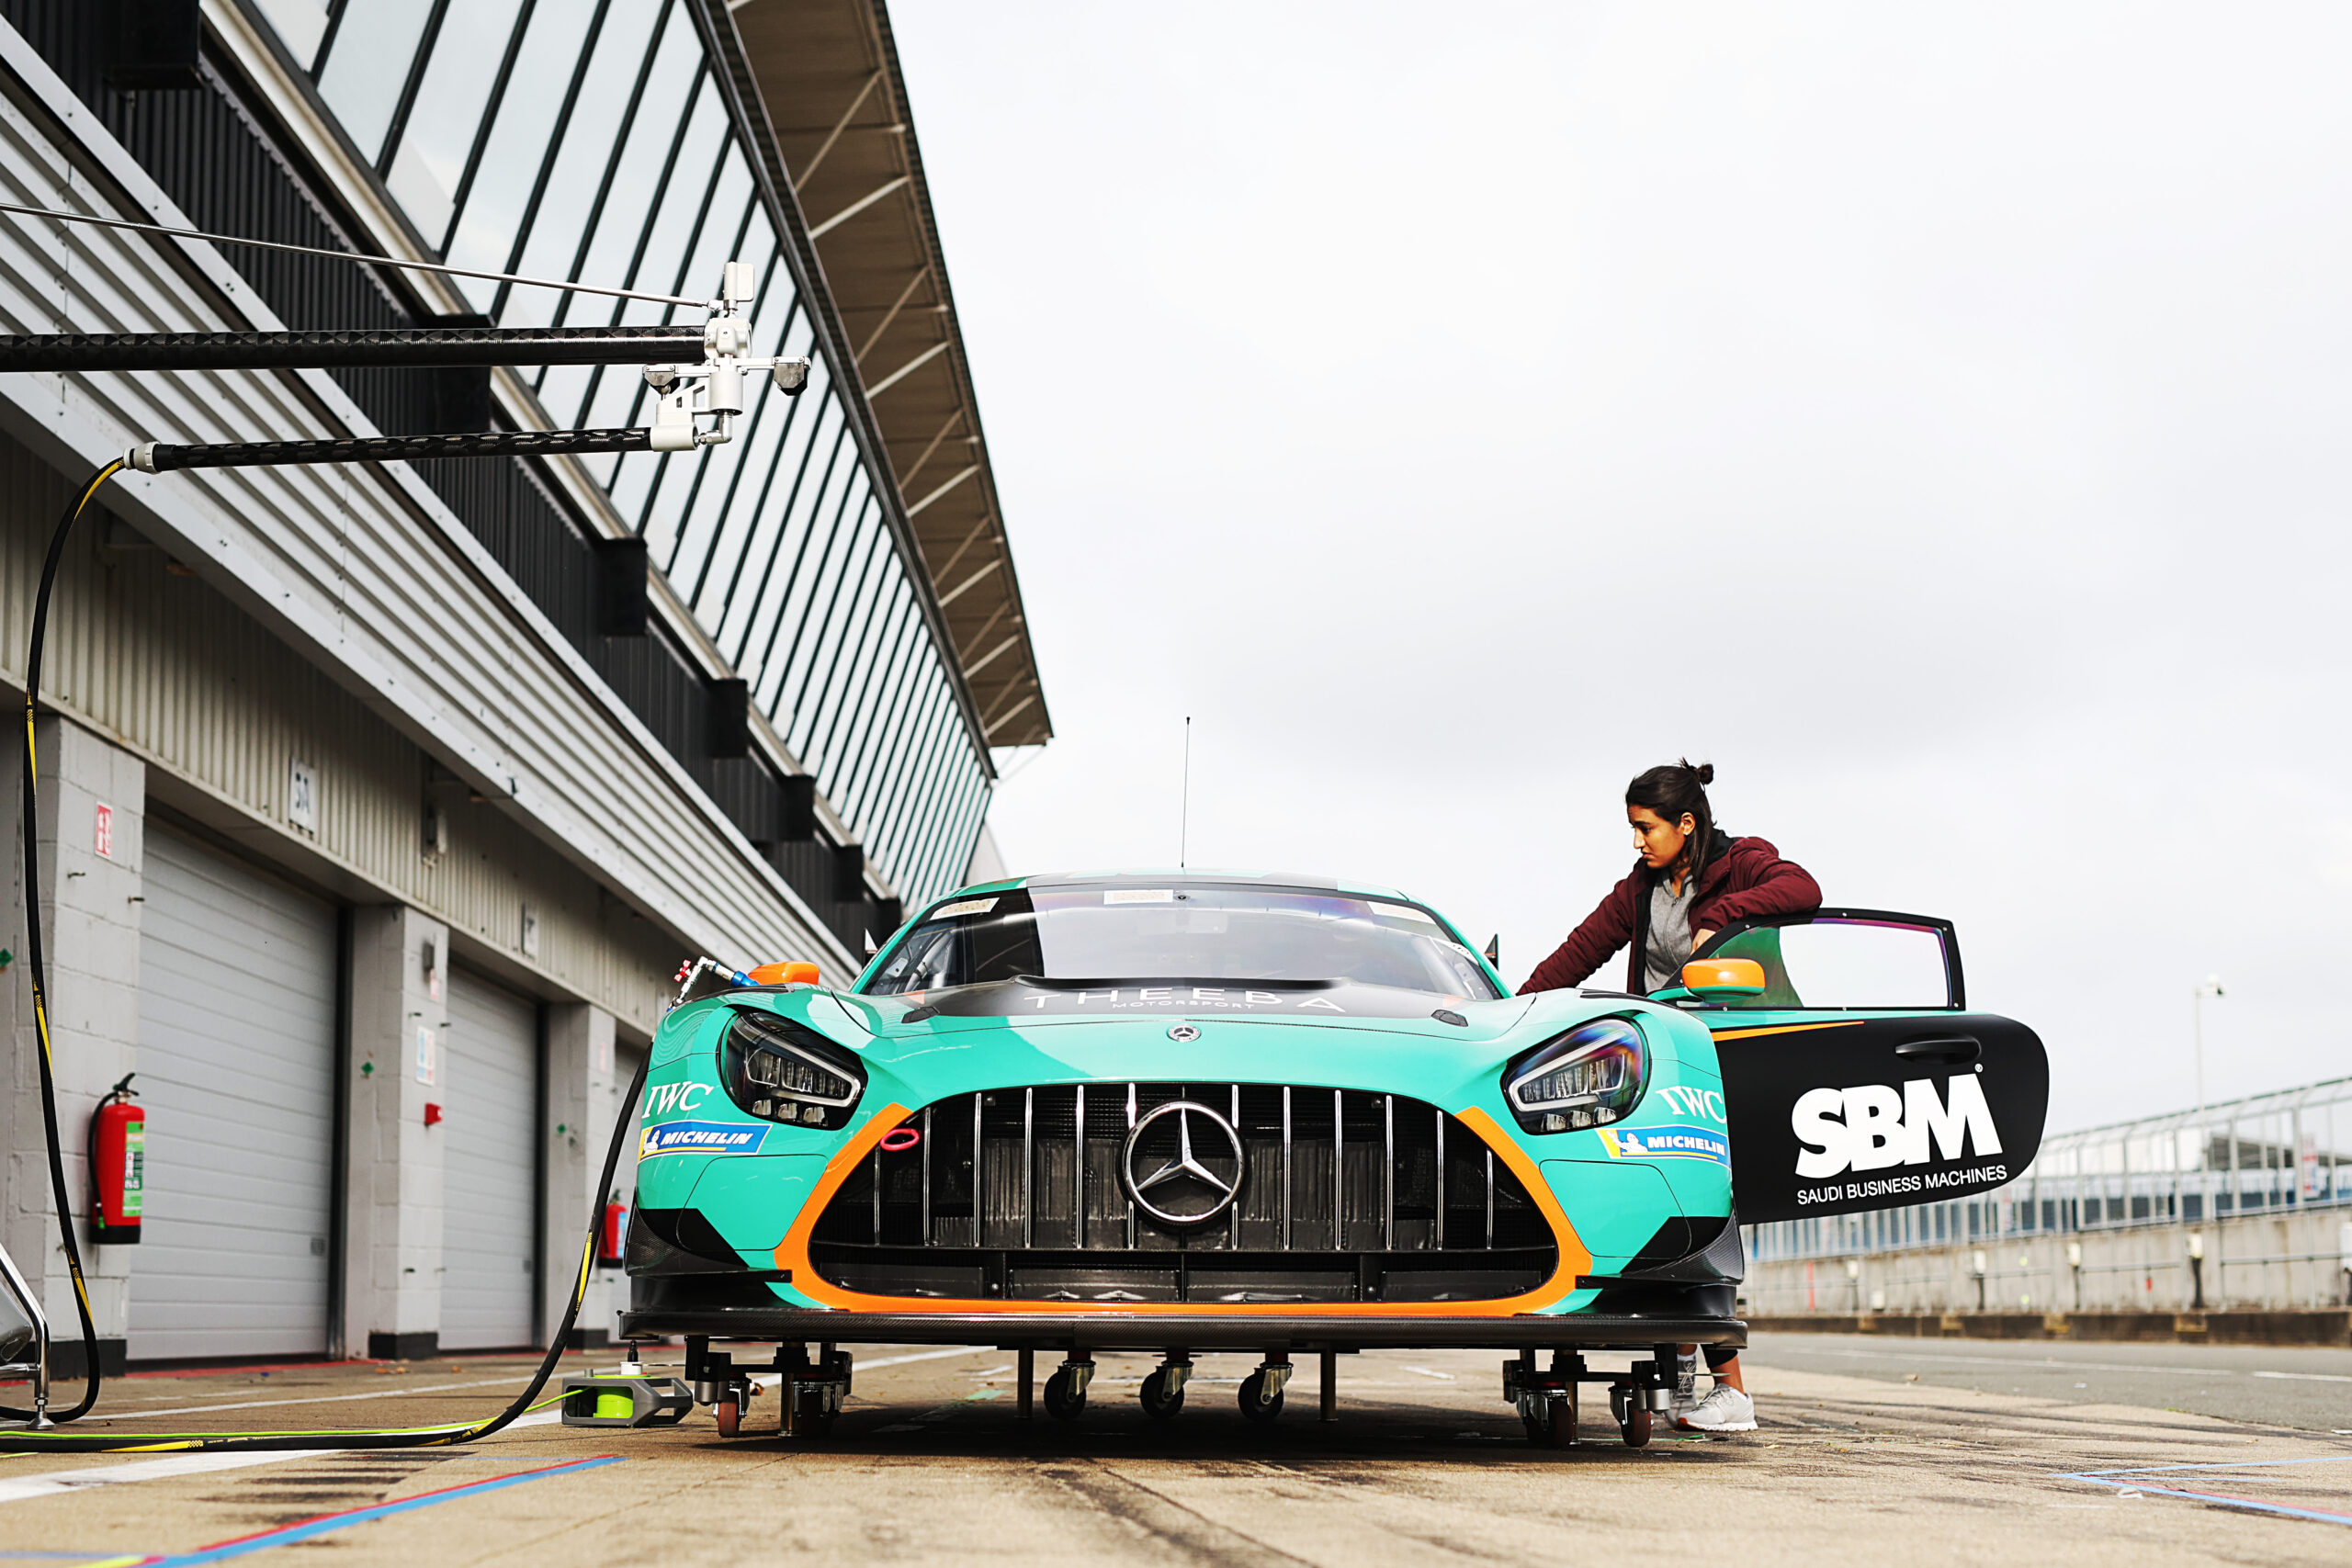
{"x": 1933, "y": 419}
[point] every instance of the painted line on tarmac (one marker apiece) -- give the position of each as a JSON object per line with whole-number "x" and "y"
{"x": 326, "y": 1524}
{"x": 923, "y": 1356}
{"x": 57, "y": 1482}
{"x": 51, "y": 1484}
{"x": 2002, "y": 1361}
{"x": 2220, "y": 1499}
{"x": 54, "y": 1483}
{"x": 325, "y": 1398}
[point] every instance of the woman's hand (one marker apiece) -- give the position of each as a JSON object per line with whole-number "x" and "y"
{"x": 1701, "y": 939}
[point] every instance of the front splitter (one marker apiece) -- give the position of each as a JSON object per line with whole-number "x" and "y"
{"x": 1156, "y": 1331}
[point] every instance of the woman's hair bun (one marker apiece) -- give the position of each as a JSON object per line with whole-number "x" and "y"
{"x": 1672, "y": 788}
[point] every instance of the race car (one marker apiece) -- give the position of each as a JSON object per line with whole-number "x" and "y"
{"x": 1191, "y": 1112}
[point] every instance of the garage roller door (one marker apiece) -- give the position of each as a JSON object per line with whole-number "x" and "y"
{"x": 236, "y": 1069}
{"x": 489, "y": 1168}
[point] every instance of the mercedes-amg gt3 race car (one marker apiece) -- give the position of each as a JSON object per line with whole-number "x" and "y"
{"x": 1194, "y": 1112}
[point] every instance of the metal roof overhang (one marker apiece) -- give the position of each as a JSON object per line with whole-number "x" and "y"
{"x": 827, "y": 73}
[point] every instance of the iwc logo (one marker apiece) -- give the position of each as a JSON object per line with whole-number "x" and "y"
{"x": 1183, "y": 1164}
{"x": 1183, "y": 1034}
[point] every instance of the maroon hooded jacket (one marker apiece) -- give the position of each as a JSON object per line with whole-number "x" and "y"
{"x": 1744, "y": 879}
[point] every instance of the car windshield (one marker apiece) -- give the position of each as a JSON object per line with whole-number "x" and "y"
{"x": 1193, "y": 932}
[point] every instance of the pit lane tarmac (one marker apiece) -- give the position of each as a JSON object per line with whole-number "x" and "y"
{"x": 927, "y": 1464}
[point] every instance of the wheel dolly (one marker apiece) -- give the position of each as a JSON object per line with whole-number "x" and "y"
{"x": 1547, "y": 1399}
{"x": 812, "y": 1391}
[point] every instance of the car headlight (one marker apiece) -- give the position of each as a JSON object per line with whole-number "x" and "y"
{"x": 776, "y": 1068}
{"x": 1588, "y": 1078}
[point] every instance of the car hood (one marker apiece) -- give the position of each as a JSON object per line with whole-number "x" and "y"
{"x": 1330, "y": 1001}
{"x": 1384, "y": 1046}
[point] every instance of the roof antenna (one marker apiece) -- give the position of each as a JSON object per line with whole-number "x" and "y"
{"x": 1184, "y": 813}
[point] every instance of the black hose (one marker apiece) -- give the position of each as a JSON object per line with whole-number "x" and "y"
{"x": 36, "y": 970}
{"x": 36, "y": 962}
{"x": 444, "y": 346}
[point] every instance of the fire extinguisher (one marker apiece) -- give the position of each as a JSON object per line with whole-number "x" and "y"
{"x": 118, "y": 1165}
{"x": 613, "y": 1234}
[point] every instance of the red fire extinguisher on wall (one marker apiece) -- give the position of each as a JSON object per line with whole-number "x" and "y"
{"x": 118, "y": 1165}
{"x": 613, "y": 1234}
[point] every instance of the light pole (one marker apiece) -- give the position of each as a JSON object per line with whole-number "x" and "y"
{"x": 2209, "y": 987}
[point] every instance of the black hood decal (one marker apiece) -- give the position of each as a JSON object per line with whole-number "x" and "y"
{"x": 1025, "y": 997}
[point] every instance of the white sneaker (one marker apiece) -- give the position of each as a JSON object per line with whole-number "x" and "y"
{"x": 1724, "y": 1409}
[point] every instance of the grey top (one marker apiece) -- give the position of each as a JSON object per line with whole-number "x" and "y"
{"x": 1667, "y": 947}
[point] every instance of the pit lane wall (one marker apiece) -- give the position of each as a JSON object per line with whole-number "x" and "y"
{"x": 2290, "y": 1262}
{"x": 2239, "y": 1207}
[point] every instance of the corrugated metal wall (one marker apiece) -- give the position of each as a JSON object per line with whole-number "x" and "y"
{"x": 163, "y": 664}
{"x": 365, "y": 573}
{"x": 217, "y": 159}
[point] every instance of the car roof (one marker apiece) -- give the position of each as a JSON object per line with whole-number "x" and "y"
{"x": 1189, "y": 877}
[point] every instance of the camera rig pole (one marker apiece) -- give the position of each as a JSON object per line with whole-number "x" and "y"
{"x": 695, "y": 375}
{"x": 441, "y": 347}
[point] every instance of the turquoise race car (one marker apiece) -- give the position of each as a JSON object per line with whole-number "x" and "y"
{"x": 1191, "y": 1112}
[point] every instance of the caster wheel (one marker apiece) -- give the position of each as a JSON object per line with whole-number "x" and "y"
{"x": 1551, "y": 1425}
{"x": 1636, "y": 1428}
{"x": 1064, "y": 1399}
{"x": 731, "y": 1418}
{"x": 1159, "y": 1402}
{"x": 1255, "y": 1405}
{"x": 811, "y": 1419}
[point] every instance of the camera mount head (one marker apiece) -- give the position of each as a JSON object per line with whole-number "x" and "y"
{"x": 714, "y": 389}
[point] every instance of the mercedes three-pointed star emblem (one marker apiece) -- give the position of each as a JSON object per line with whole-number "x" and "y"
{"x": 1193, "y": 1187}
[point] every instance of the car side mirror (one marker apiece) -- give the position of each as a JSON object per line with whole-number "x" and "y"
{"x": 1722, "y": 979}
{"x": 795, "y": 974}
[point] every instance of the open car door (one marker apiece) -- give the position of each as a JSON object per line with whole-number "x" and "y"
{"x": 1857, "y": 1079}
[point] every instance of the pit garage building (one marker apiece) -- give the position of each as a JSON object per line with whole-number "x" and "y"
{"x": 381, "y": 804}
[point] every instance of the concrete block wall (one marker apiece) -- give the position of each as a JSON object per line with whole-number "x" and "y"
{"x": 2298, "y": 1259}
{"x": 399, "y": 1040}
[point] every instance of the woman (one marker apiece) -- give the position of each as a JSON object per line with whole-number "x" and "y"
{"x": 1690, "y": 882}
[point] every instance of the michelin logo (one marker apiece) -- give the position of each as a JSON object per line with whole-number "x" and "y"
{"x": 1666, "y": 1143}
{"x": 1873, "y": 1126}
{"x": 700, "y": 1138}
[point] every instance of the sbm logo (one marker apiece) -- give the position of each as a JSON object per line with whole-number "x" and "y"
{"x": 1873, "y": 1126}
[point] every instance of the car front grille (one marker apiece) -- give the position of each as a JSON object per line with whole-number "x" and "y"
{"x": 1343, "y": 1195}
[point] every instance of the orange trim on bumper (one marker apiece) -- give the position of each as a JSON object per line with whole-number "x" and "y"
{"x": 792, "y": 1253}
